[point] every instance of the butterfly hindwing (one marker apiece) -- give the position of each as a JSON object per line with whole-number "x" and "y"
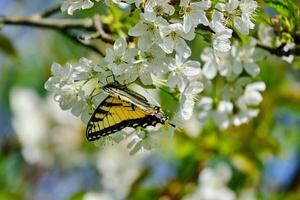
{"x": 114, "y": 114}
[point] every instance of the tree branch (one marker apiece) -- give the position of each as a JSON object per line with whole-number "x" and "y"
{"x": 279, "y": 51}
{"x": 64, "y": 26}
{"x": 48, "y": 23}
{"x": 49, "y": 12}
{"x": 77, "y": 40}
{"x": 100, "y": 33}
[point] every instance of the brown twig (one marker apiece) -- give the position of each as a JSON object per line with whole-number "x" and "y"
{"x": 82, "y": 43}
{"x": 47, "y": 23}
{"x": 64, "y": 26}
{"x": 100, "y": 33}
{"x": 279, "y": 51}
{"x": 49, "y": 12}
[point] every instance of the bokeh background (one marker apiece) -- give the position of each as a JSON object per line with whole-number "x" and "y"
{"x": 44, "y": 154}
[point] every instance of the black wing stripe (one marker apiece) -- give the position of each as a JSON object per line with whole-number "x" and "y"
{"x": 94, "y": 120}
{"x": 141, "y": 122}
{"x": 109, "y": 104}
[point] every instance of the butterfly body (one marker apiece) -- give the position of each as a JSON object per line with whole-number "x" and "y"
{"x": 122, "y": 108}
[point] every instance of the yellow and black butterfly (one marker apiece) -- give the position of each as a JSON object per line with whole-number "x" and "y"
{"x": 122, "y": 108}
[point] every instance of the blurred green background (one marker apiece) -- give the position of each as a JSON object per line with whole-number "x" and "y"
{"x": 44, "y": 153}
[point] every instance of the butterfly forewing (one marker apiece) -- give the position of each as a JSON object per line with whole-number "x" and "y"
{"x": 114, "y": 114}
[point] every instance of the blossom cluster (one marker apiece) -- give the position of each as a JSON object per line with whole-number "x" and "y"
{"x": 239, "y": 95}
{"x": 161, "y": 55}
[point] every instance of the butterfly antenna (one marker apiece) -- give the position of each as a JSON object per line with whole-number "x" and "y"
{"x": 173, "y": 125}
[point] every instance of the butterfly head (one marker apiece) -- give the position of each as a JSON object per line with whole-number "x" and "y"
{"x": 160, "y": 115}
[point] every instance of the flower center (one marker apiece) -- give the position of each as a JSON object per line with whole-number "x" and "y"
{"x": 118, "y": 60}
{"x": 149, "y": 57}
{"x": 188, "y": 9}
{"x": 178, "y": 69}
{"x": 173, "y": 35}
{"x": 158, "y": 9}
{"x": 151, "y": 27}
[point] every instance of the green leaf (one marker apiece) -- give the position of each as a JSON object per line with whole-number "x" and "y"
{"x": 285, "y": 8}
{"x": 281, "y": 6}
{"x": 7, "y": 47}
{"x": 78, "y": 195}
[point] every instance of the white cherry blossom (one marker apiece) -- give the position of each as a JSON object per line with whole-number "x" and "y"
{"x": 173, "y": 38}
{"x": 230, "y": 64}
{"x": 243, "y": 97}
{"x": 240, "y": 12}
{"x": 148, "y": 32}
{"x": 221, "y": 116}
{"x": 120, "y": 57}
{"x": 214, "y": 62}
{"x": 182, "y": 71}
{"x": 154, "y": 8}
{"x": 153, "y": 63}
{"x": 221, "y": 37}
{"x": 242, "y": 58}
{"x": 193, "y": 13}
{"x": 188, "y": 98}
{"x": 244, "y": 23}
{"x": 83, "y": 70}
{"x": 246, "y": 103}
{"x": 63, "y": 85}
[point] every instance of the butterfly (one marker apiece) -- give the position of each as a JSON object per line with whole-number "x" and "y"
{"x": 122, "y": 108}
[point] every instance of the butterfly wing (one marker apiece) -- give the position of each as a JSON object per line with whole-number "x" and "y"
{"x": 114, "y": 114}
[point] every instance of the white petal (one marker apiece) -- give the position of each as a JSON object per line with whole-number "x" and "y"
{"x": 248, "y": 6}
{"x": 260, "y": 86}
{"x": 172, "y": 80}
{"x": 204, "y": 4}
{"x": 202, "y": 19}
{"x": 182, "y": 48}
{"x": 120, "y": 46}
{"x": 252, "y": 69}
{"x": 109, "y": 57}
{"x": 130, "y": 54}
{"x": 205, "y": 103}
{"x": 191, "y": 68}
{"x": 209, "y": 70}
{"x": 194, "y": 88}
{"x": 77, "y": 108}
{"x": 189, "y": 35}
{"x": 237, "y": 67}
{"x": 240, "y": 25}
{"x": 232, "y": 5}
{"x": 253, "y": 98}
{"x": 221, "y": 120}
{"x": 145, "y": 41}
{"x": 184, "y": 3}
{"x": 149, "y": 16}
{"x": 56, "y": 69}
{"x": 187, "y": 23}
{"x": 169, "y": 9}
{"x": 187, "y": 108}
{"x": 225, "y": 107}
{"x": 138, "y": 30}
{"x": 146, "y": 78}
{"x": 167, "y": 45}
